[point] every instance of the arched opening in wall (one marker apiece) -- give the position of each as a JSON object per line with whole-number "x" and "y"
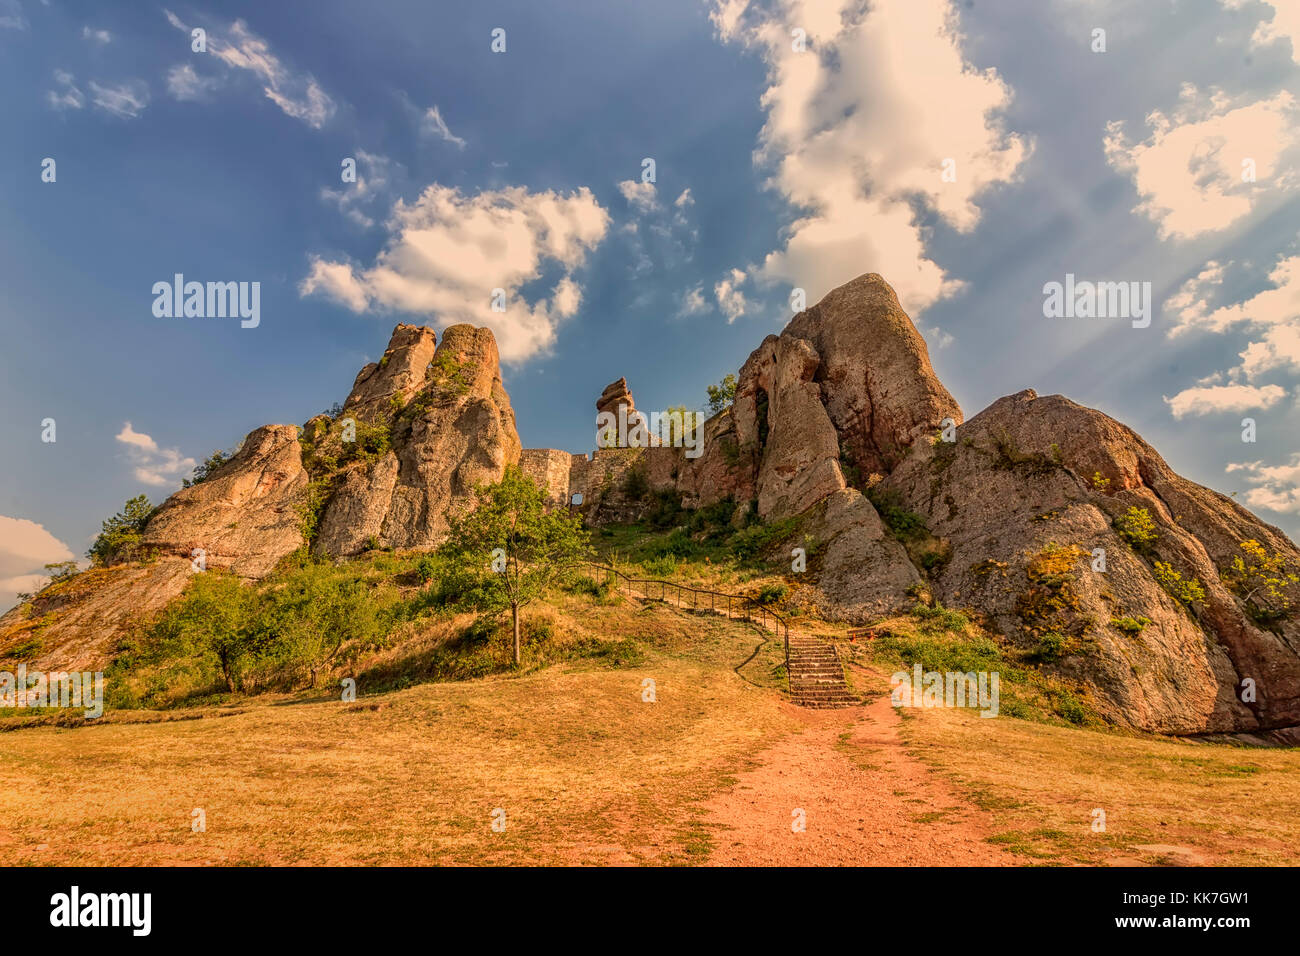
{"x": 760, "y": 415}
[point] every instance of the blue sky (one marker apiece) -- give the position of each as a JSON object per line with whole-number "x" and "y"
{"x": 781, "y": 160}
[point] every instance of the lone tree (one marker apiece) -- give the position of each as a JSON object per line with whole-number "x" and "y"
{"x": 510, "y": 549}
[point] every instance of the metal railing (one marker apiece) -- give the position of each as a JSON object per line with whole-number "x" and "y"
{"x": 740, "y": 605}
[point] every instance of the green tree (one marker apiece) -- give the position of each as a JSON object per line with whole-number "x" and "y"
{"x": 211, "y": 621}
{"x": 722, "y": 395}
{"x": 203, "y": 471}
{"x": 120, "y": 537}
{"x": 510, "y": 550}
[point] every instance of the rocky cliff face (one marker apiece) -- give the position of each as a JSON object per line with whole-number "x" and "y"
{"x": 450, "y": 428}
{"x": 1017, "y": 515}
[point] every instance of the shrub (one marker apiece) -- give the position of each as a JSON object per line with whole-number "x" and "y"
{"x": 203, "y": 471}
{"x": 1261, "y": 580}
{"x": 1130, "y": 625}
{"x": 426, "y": 568}
{"x": 635, "y": 484}
{"x": 1187, "y": 591}
{"x": 1136, "y": 527}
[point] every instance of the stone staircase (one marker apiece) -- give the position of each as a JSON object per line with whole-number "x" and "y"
{"x": 816, "y": 675}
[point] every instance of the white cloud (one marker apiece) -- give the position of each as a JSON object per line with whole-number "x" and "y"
{"x": 693, "y": 302}
{"x": 684, "y": 200}
{"x": 25, "y": 548}
{"x": 374, "y": 178}
{"x": 446, "y": 252}
{"x": 1207, "y": 400}
{"x": 858, "y": 128}
{"x": 730, "y": 299}
{"x": 185, "y": 84}
{"x": 640, "y": 196}
{"x": 1189, "y": 170}
{"x": 296, "y": 93}
{"x": 1276, "y": 487}
{"x": 126, "y": 100}
{"x": 153, "y": 465}
{"x": 96, "y": 36}
{"x": 67, "y": 96}
{"x": 1284, "y": 24}
{"x": 435, "y": 125}
{"x": 937, "y": 337}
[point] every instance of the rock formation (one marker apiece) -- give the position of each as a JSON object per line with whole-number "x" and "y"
{"x": 840, "y": 425}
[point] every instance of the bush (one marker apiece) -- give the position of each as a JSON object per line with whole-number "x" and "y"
{"x": 1136, "y": 527}
{"x": 635, "y": 484}
{"x": 1264, "y": 582}
{"x": 1187, "y": 591}
{"x": 1130, "y": 625}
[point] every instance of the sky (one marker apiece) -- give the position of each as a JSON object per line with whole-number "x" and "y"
{"x": 649, "y": 186}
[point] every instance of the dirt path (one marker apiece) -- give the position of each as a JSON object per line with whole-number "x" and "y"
{"x": 866, "y": 802}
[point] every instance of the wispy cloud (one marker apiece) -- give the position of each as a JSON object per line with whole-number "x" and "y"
{"x": 296, "y": 93}
{"x": 126, "y": 100}
{"x": 66, "y": 95}
{"x": 434, "y": 125}
{"x": 101, "y": 37}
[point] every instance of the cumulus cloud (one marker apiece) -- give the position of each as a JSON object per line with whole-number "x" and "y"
{"x": 1189, "y": 170}
{"x": 859, "y": 125}
{"x": 126, "y": 100}
{"x": 1209, "y": 399}
{"x": 25, "y": 548}
{"x": 96, "y": 36}
{"x": 729, "y": 297}
{"x": 1272, "y": 316}
{"x": 640, "y": 196}
{"x": 153, "y": 465}
{"x": 296, "y": 93}
{"x": 1284, "y": 25}
{"x": 1276, "y": 487}
{"x": 446, "y": 252}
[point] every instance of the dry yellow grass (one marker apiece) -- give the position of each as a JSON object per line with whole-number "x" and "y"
{"x": 584, "y": 770}
{"x": 1166, "y": 801}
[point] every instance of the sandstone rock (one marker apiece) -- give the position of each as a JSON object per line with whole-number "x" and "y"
{"x": 246, "y": 516}
{"x": 875, "y": 375}
{"x": 455, "y": 431}
{"x": 614, "y": 395}
{"x": 401, "y": 372}
{"x": 798, "y": 445}
{"x": 79, "y": 624}
{"x": 1018, "y": 481}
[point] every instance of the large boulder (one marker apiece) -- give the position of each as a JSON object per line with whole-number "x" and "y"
{"x": 247, "y": 515}
{"x": 448, "y": 433}
{"x": 1028, "y": 497}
